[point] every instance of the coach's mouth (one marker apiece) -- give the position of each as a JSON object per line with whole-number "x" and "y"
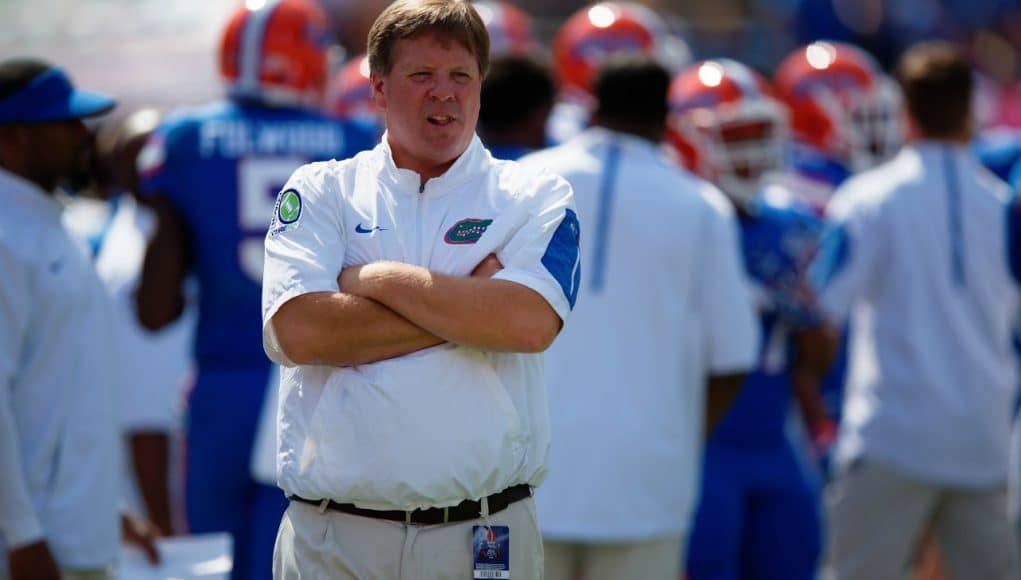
{"x": 441, "y": 120}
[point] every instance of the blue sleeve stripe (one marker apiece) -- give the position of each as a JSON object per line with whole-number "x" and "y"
{"x": 834, "y": 253}
{"x": 563, "y": 256}
{"x": 1014, "y": 235}
{"x": 602, "y": 240}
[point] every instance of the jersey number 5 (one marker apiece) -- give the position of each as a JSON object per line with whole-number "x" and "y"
{"x": 259, "y": 181}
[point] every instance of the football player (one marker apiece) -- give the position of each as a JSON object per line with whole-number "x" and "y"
{"x": 759, "y": 514}
{"x": 350, "y": 94}
{"x": 212, "y": 175}
{"x": 511, "y": 30}
{"x": 845, "y": 116}
{"x": 587, "y": 39}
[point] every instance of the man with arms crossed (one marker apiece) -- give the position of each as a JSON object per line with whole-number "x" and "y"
{"x": 413, "y": 420}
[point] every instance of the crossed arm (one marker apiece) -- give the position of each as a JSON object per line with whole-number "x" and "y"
{"x": 389, "y": 309}
{"x": 816, "y": 348}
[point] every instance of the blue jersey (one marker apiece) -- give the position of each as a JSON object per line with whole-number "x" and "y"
{"x": 813, "y": 164}
{"x": 510, "y": 152}
{"x": 999, "y": 151}
{"x": 778, "y": 244}
{"x": 810, "y": 177}
{"x": 758, "y": 516}
{"x": 221, "y": 166}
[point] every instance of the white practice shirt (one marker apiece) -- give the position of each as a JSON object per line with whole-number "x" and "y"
{"x": 664, "y": 303}
{"x": 59, "y": 444}
{"x": 441, "y": 425}
{"x": 153, "y": 367}
{"x": 923, "y": 272}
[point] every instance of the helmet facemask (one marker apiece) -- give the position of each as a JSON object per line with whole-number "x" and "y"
{"x": 738, "y": 145}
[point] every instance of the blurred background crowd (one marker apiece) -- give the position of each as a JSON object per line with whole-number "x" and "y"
{"x": 118, "y": 45}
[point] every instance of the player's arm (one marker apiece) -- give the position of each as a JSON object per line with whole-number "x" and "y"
{"x": 160, "y": 297}
{"x": 731, "y": 340}
{"x": 721, "y": 392}
{"x": 150, "y": 461}
{"x": 815, "y": 344}
{"x": 852, "y": 254}
{"x": 478, "y": 311}
{"x": 815, "y": 349}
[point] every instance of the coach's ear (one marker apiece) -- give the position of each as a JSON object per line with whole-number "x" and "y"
{"x": 379, "y": 90}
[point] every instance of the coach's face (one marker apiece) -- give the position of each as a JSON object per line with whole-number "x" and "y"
{"x": 430, "y": 99}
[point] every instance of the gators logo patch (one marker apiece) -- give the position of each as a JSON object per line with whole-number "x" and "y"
{"x": 467, "y": 231}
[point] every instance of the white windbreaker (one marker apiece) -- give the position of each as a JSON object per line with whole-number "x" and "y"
{"x": 921, "y": 263}
{"x": 432, "y": 428}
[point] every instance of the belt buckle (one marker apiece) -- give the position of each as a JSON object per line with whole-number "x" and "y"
{"x": 446, "y": 516}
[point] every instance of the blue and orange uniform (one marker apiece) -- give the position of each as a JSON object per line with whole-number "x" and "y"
{"x": 759, "y": 513}
{"x": 221, "y": 167}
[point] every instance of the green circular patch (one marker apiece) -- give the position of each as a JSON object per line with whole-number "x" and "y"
{"x": 289, "y": 209}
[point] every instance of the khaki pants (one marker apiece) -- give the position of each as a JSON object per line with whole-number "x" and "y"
{"x": 655, "y": 559}
{"x": 337, "y": 545}
{"x": 877, "y": 517}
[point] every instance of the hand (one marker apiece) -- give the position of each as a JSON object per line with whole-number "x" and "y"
{"x": 33, "y": 561}
{"x": 487, "y": 267}
{"x": 824, "y": 438}
{"x": 350, "y": 279}
{"x": 142, "y": 534}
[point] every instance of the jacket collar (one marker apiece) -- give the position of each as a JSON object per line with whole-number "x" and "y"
{"x": 469, "y": 164}
{"x": 599, "y": 135}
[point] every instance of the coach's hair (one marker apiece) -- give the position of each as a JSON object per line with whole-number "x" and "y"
{"x": 18, "y": 73}
{"x": 454, "y": 19}
{"x": 937, "y": 83}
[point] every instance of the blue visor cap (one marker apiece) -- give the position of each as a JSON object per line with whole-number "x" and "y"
{"x": 51, "y": 97}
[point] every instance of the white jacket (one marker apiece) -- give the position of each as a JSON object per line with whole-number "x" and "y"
{"x": 449, "y": 423}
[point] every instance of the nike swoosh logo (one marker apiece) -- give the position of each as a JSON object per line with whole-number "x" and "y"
{"x": 364, "y": 230}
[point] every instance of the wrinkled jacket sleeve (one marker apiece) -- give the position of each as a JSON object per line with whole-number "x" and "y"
{"x": 544, "y": 254}
{"x": 304, "y": 248}
{"x": 19, "y": 524}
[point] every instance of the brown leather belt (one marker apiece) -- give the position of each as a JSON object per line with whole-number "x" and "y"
{"x": 466, "y": 510}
